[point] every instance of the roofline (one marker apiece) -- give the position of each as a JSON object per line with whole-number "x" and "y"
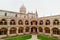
{"x": 8, "y": 11}
{"x": 49, "y": 16}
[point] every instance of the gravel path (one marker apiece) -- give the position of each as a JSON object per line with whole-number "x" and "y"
{"x": 34, "y": 37}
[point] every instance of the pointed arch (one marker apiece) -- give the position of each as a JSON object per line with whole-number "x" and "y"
{"x": 40, "y": 29}
{"x": 47, "y": 22}
{"x": 3, "y": 31}
{"x": 20, "y": 30}
{"x": 33, "y": 22}
{"x": 47, "y": 30}
{"x": 27, "y": 29}
{"x": 13, "y": 30}
{"x": 41, "y": 22}
{"x": 34, "y": 30}
{"x": 26, "y": 22}
{"x": 20, "y": 22}
{"x": 56, "y": 31}
{"x": 55, "y": 22}
{"x": 12, "y": 22}
{"x": 3, "y": 22}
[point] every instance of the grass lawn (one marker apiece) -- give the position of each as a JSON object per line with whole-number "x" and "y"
{"x": 24, "y": 37}
{"x": 45, "y": 38}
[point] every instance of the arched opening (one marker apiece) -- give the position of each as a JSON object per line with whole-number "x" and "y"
{"x": 41, "y": 22}
{"x": 13, "y": 30}
{"x": 40, "y": 29}
{"x": 26, "y": 22}
{"x": 12, "y": 22}
{"x": 33, "y": 30}
{"x": 27, "y": 29}
{"x": 47, "y": 22}
{"x": 47, "y": 30}
{"x": 56, "y": 31}
{"x": 20, "y": 30}
{"x": 20, "y": 22}
{"x": 3, "y": 22}
{"x": 56, "y": 22}
{"x": 34, "y": 22}
{"x": 3, "y": 31}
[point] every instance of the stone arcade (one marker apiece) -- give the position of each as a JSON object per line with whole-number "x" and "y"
{"x": 21, "y": 23}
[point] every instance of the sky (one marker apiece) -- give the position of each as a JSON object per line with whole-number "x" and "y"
{"x": 43, "y": 7}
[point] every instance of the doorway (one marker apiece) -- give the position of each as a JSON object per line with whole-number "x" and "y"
{"x": 33, "y": 30}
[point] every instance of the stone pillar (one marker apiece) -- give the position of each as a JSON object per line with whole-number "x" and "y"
{"x": 23, "y": 21}
{"x": 17, "y": 31}
{"x": 37, "y": 30}
{"x": 8, "y": 23}
{"x": 24, "y": 30}
{"x": 17, "y": 22}
{"x": 8, "y": 32}
{"x": 51, "y": 33}
{"x": 43, "y": 31}
{"x": 30, "y": 30}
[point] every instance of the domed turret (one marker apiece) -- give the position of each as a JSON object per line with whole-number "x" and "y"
{"x": 23, "y": 9}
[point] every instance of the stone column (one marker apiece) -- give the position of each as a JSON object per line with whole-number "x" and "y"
{"x": 16, "y": 25}
{"x": 8, "y": 23}
{"x": 17, "y": 31}
{"x": 23, "y": 22}
{"x": 24, "y": 30}
{"x": 51, "y": 33}
{"x": 38, "y": 30}
{"x": 8, "y": 32}
{"x": 30, "y": 30}
{"x": 43, "y": 31}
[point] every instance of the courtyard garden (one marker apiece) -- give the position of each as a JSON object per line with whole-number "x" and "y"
{"x": 24, "y": 37}
{"x": 41, "y": 37}
{"x": 31, "y": 37}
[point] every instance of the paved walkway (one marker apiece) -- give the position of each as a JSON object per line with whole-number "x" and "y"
{"x": 1, "y": 39}
{"x": 34, "y": 37}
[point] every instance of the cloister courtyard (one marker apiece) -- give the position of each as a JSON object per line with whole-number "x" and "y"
{"x": 31, "y": 37}
{"x": 17, "y": 26}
